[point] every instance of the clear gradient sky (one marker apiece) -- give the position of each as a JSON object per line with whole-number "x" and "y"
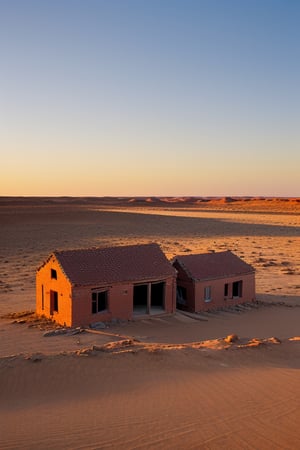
{"x": 150, "y": 97}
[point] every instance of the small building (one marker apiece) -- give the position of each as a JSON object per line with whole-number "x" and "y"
{"x": 82, "y": 287}
{"x": 213, "y": 280}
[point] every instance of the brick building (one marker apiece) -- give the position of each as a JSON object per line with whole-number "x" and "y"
{"x": 81, "y": 287}
{"x": 213, "y": 280}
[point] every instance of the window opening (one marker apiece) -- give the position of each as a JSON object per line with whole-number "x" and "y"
{"x": 207, "y": 294}
{"x": 99, "y": 301}
{"x": 53, "y": 274}
{"x": 237, "y": 288}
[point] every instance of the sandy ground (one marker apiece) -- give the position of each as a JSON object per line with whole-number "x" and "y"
{"x": 175, "y": 384}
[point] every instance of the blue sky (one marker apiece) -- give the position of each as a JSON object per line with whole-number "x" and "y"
{"x": 150, "y": 97}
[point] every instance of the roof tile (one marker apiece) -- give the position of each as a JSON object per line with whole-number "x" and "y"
{"x": 213, "y": 265}
{"x": 114, "y": 264}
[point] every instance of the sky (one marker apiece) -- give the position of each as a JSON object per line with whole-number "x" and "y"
{"x": 150, "y": 97}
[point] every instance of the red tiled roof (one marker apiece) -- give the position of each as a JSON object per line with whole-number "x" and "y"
{"x": 213, "y": 265}
{"x": 114, "y": 264}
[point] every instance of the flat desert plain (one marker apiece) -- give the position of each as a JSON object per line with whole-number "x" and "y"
{"x": 163, "y": 382}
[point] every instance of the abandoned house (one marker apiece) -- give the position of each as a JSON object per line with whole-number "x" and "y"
{"x": 81, "y": 287}
{"x": 213, "y": 280}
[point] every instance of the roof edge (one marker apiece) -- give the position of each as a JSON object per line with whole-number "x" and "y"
{"x": 134, "y": 282}
{"x": 54, "y": 254}
{"x": 183, "y": 267}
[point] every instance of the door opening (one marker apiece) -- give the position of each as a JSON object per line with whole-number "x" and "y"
{"x": 140, "y": 296}
{"x": 149, "y": 298}
{"x": 157, "y": 297}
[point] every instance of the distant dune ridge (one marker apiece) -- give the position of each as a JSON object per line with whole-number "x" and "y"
{"x": 264, "y": 202}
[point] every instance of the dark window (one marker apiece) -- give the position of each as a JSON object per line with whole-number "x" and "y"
{"x": 226, "y": 290}
{"x": 237, "y": 289}
{"x": 99, "y": 301}
{"x": 53, "y": 274}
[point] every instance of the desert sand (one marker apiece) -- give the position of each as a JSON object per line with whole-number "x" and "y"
{"x": 161, "y": 382}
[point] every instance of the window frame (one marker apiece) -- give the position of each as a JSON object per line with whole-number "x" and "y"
{"x": 97, "y": 301}
{"x": 207, "y": 294}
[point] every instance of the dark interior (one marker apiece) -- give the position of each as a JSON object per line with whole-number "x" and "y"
{"x": 157, "y": 294}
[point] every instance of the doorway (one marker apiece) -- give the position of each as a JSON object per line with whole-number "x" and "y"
{"x": 140, "y": 299}
{"x": 149, "y": 298}
{"x": 157, "y": 297}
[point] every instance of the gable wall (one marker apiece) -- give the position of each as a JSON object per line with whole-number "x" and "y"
{"x": 61, "y": 285}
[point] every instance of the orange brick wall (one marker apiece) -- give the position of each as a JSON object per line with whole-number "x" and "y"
{"x": 120, "y": 303}
{"x": 217, "y": 292}
{"x": 60, "y": 285}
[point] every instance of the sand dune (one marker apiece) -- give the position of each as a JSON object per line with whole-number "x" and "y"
{"x": 176, "y": 398}
{"x": 172, "y": 382}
